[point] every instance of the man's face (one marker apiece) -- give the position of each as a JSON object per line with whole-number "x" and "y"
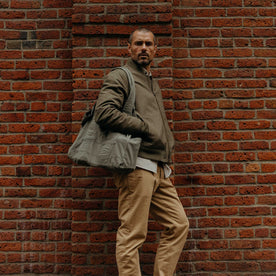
{"x": 142, "y": 48}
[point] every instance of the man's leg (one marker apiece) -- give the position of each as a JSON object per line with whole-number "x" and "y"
{"x": 135, "y": 192}
{"x": 167, "y": 209}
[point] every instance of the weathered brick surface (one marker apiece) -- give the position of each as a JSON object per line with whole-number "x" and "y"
{"x": 224, "y": 80}
{"x": 36, "y": 96}
{"x": 216, "y": 67}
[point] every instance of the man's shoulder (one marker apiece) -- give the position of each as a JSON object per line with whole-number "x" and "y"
{"x": 116, "y": 74}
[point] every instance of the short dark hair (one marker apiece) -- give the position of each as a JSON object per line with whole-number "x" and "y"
{"x": 141, "y": 29}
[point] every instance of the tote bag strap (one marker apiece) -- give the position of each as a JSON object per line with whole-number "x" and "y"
{"x": 129, "y": 106}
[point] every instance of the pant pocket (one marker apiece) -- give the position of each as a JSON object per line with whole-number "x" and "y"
{"x": 128, "y": 181}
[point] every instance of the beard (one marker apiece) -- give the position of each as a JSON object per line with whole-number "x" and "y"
{"x": 144, "y": 60}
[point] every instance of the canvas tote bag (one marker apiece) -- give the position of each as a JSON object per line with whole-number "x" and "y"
{"x": 107, "y": 149}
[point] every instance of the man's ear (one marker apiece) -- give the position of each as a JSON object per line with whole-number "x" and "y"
{"x": 155, "y": 49}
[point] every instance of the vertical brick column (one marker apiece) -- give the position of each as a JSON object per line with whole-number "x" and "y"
{"x": 35, "y": 115}
{"x": 100, "y": 33}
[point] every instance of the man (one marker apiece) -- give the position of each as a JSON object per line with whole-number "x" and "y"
{"x": 148, "y": 189}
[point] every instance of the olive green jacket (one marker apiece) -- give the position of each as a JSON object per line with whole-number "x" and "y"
{"x": 150, "y": 124}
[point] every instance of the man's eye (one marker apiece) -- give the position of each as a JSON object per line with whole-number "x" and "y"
{"x": 147, "y": 43}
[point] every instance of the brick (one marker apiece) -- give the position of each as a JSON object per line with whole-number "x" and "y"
{"x": 268, "y": 168}
{"x": 206, "y": 115}
{"x": 256, "y": 3}
{"x": 44, "y": 14}
{"x": 226, "y": 255}
{"x": 57, "y": 4}
{"x": 200, "y": 73}
{"x": 254, "y": 22}
{"x": 124, "y": 9}
{"x": 26, "y": 4}
{"x": 249, "y": 266}
{"x": 22, "y": 25}
{"x": 15, "y": 75}
{"x": 260, "y": 124}
{"x": 266, "y": 114}
{"x": 267, "y": 156}
{"x": 237, "y": 136}
{"x": 226, "y": 22}
{"x": 265, "y": 135}
{"x": 205, "y": 53}
{"x": 85, "y": 30}
{"x": 245, "y": 244}
{"x": 236, "y": 179}
{"x": 27, "y": 86}
{"x": 11, "y": 14}
{"x": 45, "y": 75}
{"x": 223, "y": 3}
{"x": 45, "y": 117}
{"x": 245, "y": 222}
{"x": 241, "y": 156}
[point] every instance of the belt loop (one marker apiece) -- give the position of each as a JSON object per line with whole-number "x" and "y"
{"x": 161, "y": 169}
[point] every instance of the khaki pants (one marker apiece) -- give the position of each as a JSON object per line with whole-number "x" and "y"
{"x": 142, "y": 193}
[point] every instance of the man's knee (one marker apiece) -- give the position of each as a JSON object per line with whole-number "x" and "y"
{"x": 182, "y": 226}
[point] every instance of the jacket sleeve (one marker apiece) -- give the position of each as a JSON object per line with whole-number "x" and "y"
{"x": 109, "y": 106}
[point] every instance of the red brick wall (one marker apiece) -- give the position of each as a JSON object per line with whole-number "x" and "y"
{"x": 35, "y": 115}
{"x": 216, "y": 66}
